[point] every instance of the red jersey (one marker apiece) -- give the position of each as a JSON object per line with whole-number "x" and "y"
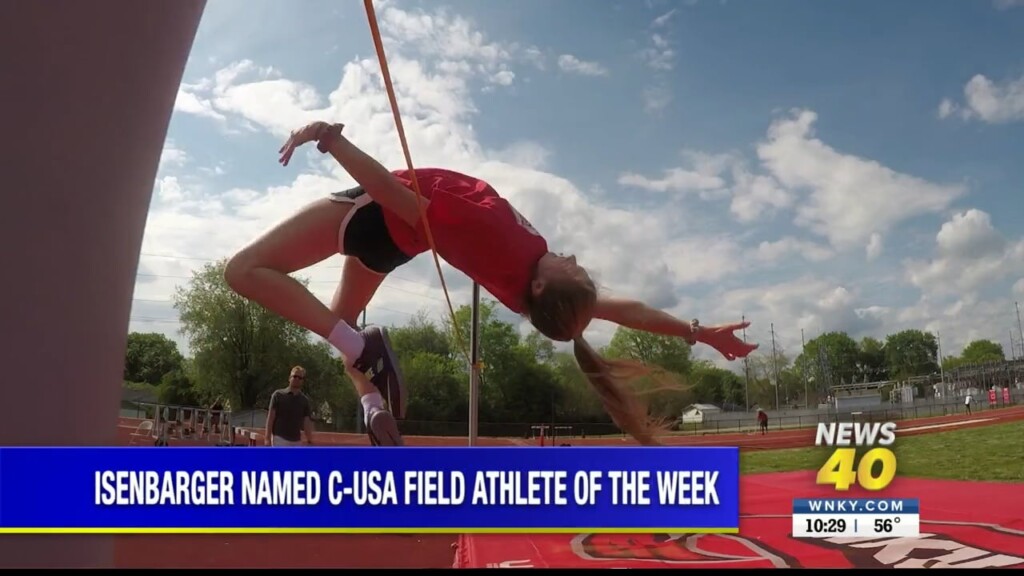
{"x": 475, "y": 230}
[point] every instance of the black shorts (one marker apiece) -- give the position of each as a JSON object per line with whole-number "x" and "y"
{"x": 364, "y": 233}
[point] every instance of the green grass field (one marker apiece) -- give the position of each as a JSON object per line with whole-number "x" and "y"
{"x": 987, "y": 453}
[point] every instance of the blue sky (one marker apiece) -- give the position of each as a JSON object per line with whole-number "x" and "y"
{"x": 789, "y": 161}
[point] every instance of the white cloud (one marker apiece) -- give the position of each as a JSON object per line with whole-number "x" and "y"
{"x": 701, "y": 173}
{"x": 219, "y": 169}
{"x": 657, "y": 97}
{"x": 970, "y": 255}
{"x": 503, "y": 77}
{"x": 779, "y": 249}
{"x": 1007, "y": 4}
{"x": 993, "y": 102}
{"x": 851, "y": 201}
{"x": 172, "y": 156}
{"x": 659, "y": 55}
{"x": 874, "y": 249}
{"x": 534, "y": 56}
{"x": 570, "y": 63}
{"x": 451, "y": 38}
{"x": 808, "y": 303}
{"x": 717, "y": 176}
{"x": 450, "y": 52}
{"x": 847, "y": 198}
{"x": 756, "y": 196}
{"x": 168, "y": 190}
{"x": 663, "y": 19}
{"x": 958, "y": 322}
{"x": 947, "y": 108}
{"x": 189, "y": 103}
{"x": 814, "y": 305}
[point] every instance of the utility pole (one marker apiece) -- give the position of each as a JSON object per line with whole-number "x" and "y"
{"x": 746, "y": 370}
{"x": 803, "y": 373}
{"x": 1020, "y": 331}
{"x": 775, "y": 368}
{"x": 825, "y": 371}
{"x": 942, "y": 373}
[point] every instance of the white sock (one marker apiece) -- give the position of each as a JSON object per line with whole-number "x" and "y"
{"x": 372, "y": 403}
{"x": 347, "y": 341}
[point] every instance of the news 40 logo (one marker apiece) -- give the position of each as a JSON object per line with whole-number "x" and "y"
{"x": 874, "y": 470}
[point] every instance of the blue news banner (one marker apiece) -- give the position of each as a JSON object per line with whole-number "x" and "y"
{"x": 366, "y": 490}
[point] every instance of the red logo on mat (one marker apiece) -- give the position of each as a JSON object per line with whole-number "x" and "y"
{"x": 695, "y": 550}
{"x": 941, "y": 545}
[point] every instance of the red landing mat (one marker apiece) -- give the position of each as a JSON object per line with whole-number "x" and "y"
{"x": 963, "y": 525}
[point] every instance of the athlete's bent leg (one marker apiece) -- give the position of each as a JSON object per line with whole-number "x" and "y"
{"x": 358, "y": 286}
{"x": 378, "y": 362}
{"x": 259, "y": 272}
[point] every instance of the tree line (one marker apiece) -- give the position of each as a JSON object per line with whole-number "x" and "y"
{"x": 241, "y": 353}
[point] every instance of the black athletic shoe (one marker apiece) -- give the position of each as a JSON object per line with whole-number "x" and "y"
{"x": 379, "y": 364}
{"x": 383, "y": 430}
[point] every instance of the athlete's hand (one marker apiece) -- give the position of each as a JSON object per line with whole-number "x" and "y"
{"x": 307, "y": 133}
{"x": 723, "y": 339}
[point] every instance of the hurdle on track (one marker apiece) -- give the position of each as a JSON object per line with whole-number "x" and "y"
{"x": 188, "y": 422}
{"x": 543, "y": 432}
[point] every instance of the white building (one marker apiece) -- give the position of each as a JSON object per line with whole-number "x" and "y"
{"x": 698, "y": 413}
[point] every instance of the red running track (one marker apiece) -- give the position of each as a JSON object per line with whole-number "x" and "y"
{"x": 424, "y": 551}
{"x": 803, "y": 437}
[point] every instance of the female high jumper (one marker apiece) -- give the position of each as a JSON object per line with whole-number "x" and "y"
{"x": 377, "y": 227}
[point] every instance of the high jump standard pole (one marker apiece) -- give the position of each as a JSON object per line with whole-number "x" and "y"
{"x": 474, "y": 369}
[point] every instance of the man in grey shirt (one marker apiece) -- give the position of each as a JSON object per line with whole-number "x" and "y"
{"x": 290, "y": 413}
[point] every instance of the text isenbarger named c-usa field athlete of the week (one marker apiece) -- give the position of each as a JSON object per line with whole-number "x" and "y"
{"x": 408, "y": 488}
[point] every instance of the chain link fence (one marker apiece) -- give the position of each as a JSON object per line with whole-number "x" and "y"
{"x": 713, "y": 423}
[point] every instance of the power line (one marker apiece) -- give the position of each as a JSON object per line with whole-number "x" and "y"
{"x": 803, "y": 373}
{"x": 146, "y": 319}
{"x": 385, "y": 286}
{"x": 382, "y": 287}
{"x": 325, "y": 267}
{"x": 775, "y": 366}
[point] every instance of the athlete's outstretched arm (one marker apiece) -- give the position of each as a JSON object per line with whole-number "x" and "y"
{"x": 639, "y": 316}
{"x": 378, "y": 182}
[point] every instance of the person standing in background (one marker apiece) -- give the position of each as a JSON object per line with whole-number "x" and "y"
{"x": 290, "y": 413}
{"x": 762, "y": 421}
